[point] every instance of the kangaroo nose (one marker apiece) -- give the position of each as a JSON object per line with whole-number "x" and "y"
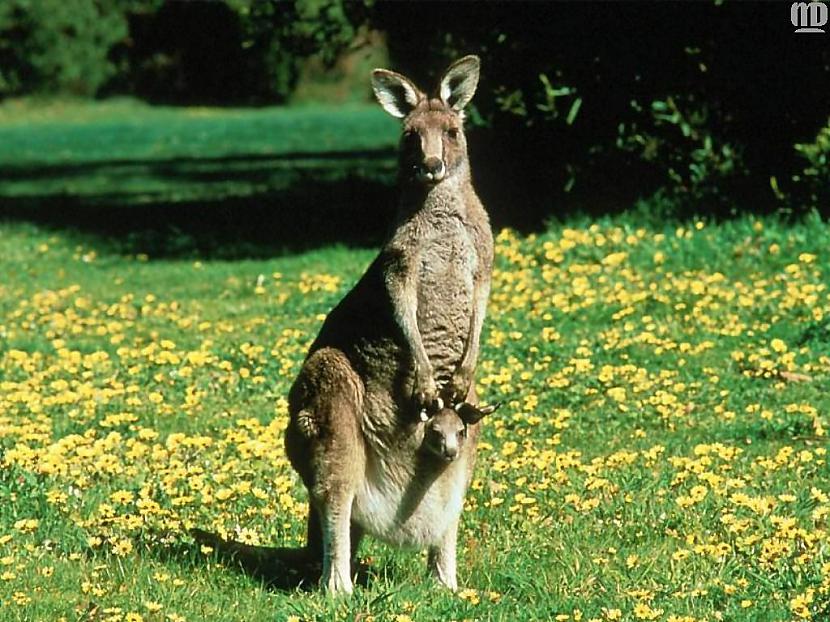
{"x": 450, "y": 452}
{"x": 434, "y": 168}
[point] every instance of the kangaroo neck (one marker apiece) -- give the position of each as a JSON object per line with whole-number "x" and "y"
{"x": 445, "y": 197}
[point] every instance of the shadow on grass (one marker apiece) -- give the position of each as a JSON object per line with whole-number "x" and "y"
{"x": 184, "y": 165}
{"x": 253, "y": 205}
{"x": 278, "y": 568}
{"x": 231, "y": 207}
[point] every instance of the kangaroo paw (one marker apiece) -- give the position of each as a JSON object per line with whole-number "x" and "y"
{"x": 307, "y": 424}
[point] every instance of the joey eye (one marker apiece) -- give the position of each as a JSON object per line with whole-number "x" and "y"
{"x": 452, "y": 133}
{"x": 462, "y": 433}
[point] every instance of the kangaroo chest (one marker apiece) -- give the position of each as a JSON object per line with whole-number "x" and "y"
{"x": 446, "y": 266}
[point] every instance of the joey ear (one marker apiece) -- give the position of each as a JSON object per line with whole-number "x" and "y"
{"x": 395, "y": 92}
{"x": 489, "y": 410}
{"x": 459, "y": 82}
{"x": 472, "y": 414}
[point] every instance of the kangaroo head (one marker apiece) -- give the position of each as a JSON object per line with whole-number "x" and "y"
{"x": 444, "y": 434}
{"x": 446, "y": 431}
{"x": 433, "y": 146}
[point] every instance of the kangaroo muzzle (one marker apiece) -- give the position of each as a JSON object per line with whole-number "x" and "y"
{"x": 450, "y": 449}
{"x": 432, "y": 169}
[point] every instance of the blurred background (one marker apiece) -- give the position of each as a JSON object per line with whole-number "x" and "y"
{"x": 245, "y": 127}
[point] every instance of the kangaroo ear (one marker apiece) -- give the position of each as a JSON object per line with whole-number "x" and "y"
{"x": 488, "y": 410}
{"x": 471, "y": 414}
{"x": 395, "y": 92}
{"x": 459, "y": 82}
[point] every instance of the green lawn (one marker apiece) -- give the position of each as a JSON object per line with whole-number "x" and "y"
{"x": 200, "y": 181}
{"x": 661, "y": 454}
{"x": 124, "y": 152}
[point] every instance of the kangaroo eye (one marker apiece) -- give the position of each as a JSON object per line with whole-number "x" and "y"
{"x": 452, "y": 133}
{"x": 462, "y": 433}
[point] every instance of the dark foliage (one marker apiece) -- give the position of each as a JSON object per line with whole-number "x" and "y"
{"x": 599, "y": 102}
{"x": 582, "y": 106}
{"x": 58, "y": 46}
{"x": 234, "y": 52}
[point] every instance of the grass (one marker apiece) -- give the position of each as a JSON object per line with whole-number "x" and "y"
{"x": 661, "y": 455}
{"x": 131, "y": 153}
{"x": 59, "y": 132}
{"x": 137, "y": 175}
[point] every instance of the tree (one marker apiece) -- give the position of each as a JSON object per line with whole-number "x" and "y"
{"x": 58, "y": 46}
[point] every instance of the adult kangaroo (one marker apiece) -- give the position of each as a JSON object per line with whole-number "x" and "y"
{"x": 403, "y": 341}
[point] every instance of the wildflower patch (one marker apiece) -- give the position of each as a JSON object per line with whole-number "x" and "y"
{"x": 661, "y": 453}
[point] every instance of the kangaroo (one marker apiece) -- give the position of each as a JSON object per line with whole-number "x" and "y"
{"x": 445, "y": 432}
{"x": 403, "y": 341}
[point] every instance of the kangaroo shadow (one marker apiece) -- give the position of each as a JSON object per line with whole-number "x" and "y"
{"x": 277, "y": 568}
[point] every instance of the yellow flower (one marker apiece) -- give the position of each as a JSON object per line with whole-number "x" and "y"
{"x": 470, "y": 596}
{"x": 617, "y": 394}
{"x": 122, "y": 497}
{"x": 122, "y": 547}
{"x": 21, "y": 598}
{"x": 800, "y": 605}
{"x": 643, "y": 612}
{"x": 26, "y": 525}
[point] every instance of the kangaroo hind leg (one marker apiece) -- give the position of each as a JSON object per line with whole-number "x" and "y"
{"x": 441, "y": 558}
{"x": 336, "y": 459}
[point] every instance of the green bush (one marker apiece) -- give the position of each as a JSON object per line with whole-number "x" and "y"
{"x": 674, "y": 135}
{"x": 58, "y": 46}
{"x": 814, "y": 179}
{"x": 231, "y": 52}
{"x": 280, "y": 35}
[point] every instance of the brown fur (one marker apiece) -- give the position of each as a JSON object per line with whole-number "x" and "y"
{"x": 405, "y": 335}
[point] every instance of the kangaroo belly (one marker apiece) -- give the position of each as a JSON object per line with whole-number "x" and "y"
{"x": 409, "y": 510}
